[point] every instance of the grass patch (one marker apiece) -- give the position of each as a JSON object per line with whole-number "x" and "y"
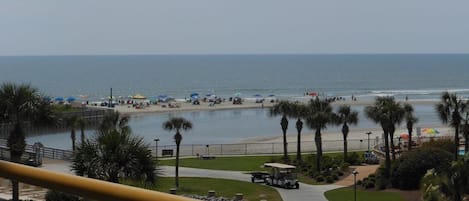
{"x": 346, "y": 194}
{"x": 242, "y": 163}
{"x": 59, "y": 109}
{"x": 223, "y": 187}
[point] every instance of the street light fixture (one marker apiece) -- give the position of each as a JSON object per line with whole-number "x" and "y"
{"x": 368, "y": 133}
{"x": 156, "y": 148}
{"x": 355, "y": 184}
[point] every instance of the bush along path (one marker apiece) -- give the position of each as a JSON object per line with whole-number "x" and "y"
{"x": 305, "y": 192}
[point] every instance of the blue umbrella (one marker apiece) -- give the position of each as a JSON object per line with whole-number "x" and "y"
{"x": 209, "y": 94}
{"x": 59, "y": 98}
{"x": 257, "y": 95}
{"x": 194, "y": 94}
{"x": 71, "y": 99}
{"x": 46, "y": 99}
{"x": 271, "y": 95}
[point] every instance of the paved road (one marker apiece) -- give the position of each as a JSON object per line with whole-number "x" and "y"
{"x": 306, "y": 192}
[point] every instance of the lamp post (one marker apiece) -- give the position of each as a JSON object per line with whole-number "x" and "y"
{"x": 156, "y": 148}
{"x": 368, "y": 133}
{"x": 208, "y": 152}
{"x": 355, "y": 185}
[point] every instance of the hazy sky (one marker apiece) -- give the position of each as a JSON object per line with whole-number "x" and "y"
{"x": 51, "y": 27}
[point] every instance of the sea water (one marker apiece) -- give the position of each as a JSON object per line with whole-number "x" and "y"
{"x": 286, "y": 76}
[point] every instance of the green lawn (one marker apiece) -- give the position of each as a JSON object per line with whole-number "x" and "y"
{"x": 223, "y": 187}
{"x": 346, "y": 194}
{"x": 242, "y": 163}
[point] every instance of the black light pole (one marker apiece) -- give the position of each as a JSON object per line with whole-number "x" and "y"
{"x": 208, "y": 152}
{"x": 355, "y": 185}
{"x": 110, "y": 100}
{"x": 368, "y": 133}
{"x": 156, "y": 148}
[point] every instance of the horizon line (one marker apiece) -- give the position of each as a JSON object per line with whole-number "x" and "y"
{"x": 229, "y": 54}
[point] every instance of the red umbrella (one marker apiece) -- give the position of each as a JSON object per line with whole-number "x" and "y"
{"x": 313, "y": 94}
{"x": 404, "y": 136}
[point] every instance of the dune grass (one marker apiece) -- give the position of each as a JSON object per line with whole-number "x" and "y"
{"x": 346, "y": 194}
{"x": 222, "y": 187}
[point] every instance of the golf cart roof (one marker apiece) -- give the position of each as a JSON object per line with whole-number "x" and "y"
{"x": 279, "y": 165}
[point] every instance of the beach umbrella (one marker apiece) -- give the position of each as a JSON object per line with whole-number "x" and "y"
{"x": 83, "y": 96}
{"x": 237, "y": 94}
{"x": 209, "y": 94}
{"x": 404, "y": 136}
{"x": 429, "y": 131}
{"x": 138, "y": 96}
{"x": 313, "y": 94}
{"x": 271, "y": 95}
{"x": 257, "y": 95}
{"x": 71, "y": 99}
{"x": 194, "y": 94}
{"x": 59, "y": 99}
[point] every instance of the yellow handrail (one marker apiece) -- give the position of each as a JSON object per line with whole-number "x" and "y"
{"x": 81, "y": 186}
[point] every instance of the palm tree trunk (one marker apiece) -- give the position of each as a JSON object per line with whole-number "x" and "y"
{"x": 285, "y": 144}
{"x": 391, "y": 137}
{"x": 466, "y": 143}
{"x": 409, "y": 144}
{"x": 387, "y": 163}
{"x": 317, "y": 141}
{"x": 298, "y": 148}
{"x": 345, "y": 147}
{"x": 456, "y": 142}
{"x": 82, "y": 135}
{"x": 177, "y": 166}
{"x": 73, "y": 136}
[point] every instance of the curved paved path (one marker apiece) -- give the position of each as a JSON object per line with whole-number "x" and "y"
{"x": 306, "y": 192}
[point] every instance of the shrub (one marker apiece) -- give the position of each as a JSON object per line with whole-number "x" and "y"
{"x": 369, "y": 184}
{"x": 344, "y": 166}
{"x": 59, "y": 196}
{"x": 335, "y": 176}
{"x": 340, "y": 173}
{"x": 359, "y": 182}
{"x": 382, "y": 183}
{"x": 329, "y": 179}
{"x": 446, "y": 144}
{"x": 412, "y": 166}
{"x": 354, "y": 159}
{"x": 372, "y": 175}
{"x": 319, "y": 178}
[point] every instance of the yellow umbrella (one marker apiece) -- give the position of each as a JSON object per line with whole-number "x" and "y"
{"x": 138, "y": 96}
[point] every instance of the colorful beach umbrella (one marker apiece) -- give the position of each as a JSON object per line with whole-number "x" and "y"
{"x": 429, "y": 131}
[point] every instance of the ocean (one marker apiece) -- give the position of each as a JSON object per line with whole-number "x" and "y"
{"x": 417, "y": 76}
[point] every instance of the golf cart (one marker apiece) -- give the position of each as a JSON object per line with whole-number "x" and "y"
{"x": 282, "y": 175}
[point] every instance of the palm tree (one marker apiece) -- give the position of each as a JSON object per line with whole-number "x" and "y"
{"x": 380, "y": 112}
{"x": 114, "y": 154}
{"x": 410, "y": 121}
{"x": 72, "y": 123}
{"x": 449, "y": 111}
{"x": 299, "y": 112}
{"x": 319, "y": 114}
{"x": 177, "y": 124}
{"x": 396, "y": 114}
{"x": 20, "y": 104}
{"x": 346, "y": 116}
{"x": 283, "y": 108}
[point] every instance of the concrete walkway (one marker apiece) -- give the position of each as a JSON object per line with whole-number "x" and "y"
{"x": 306, "y": 192}
{"x": 363, "y": 171}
